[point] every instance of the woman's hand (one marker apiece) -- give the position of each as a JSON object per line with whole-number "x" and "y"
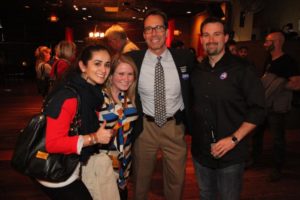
{"x": 103, "y": 136}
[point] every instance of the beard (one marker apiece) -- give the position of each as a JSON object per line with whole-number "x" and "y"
{"x": 271, "y": 47}
{"x": 212, "y": 51}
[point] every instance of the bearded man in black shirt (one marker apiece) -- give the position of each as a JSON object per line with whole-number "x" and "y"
{"x": 228, "y": 103}
{"x": 280, "y": 79}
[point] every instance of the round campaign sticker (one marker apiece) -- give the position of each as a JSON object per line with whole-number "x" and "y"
{"x": 223, "y": 76}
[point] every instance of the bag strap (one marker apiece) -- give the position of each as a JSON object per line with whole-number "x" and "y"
{"x": 74, "y": 90}
{"x": 78, "y": 109}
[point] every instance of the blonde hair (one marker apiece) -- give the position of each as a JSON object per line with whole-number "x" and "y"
{"x": 116, "y": 61}
{"x": 40, "y": 54}
{"x": 65, "y": 50}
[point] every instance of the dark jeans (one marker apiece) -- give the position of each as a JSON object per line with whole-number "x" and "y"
{"x": 75, "y": 191}
{"x": 225, "y": 182}
{"x": 123, "y": 193}
{"x": 276, "y": 123}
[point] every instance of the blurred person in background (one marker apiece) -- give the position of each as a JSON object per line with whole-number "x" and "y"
{"x": 280, "y": 79}
{"x": 118, "y": 41}
{"x": 243, "y": 52}
{"x": 43, "y": 69}
{"x": 232, "y": 47}
{"x": 65, "y": 52}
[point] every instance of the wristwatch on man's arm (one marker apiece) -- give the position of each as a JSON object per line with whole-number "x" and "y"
{"x": 234, "y": 140}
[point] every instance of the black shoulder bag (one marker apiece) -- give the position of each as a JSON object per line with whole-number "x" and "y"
{"x": 30, "y": 156}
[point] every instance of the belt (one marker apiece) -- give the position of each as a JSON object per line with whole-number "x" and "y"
{"x": 151, "y": 119}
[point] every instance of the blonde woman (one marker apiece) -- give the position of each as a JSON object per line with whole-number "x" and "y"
{"x": 119, "y": 112}
{"x": 65, "y": 53}
{"x": 43, "y": 69}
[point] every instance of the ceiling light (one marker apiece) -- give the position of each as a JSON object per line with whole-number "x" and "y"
{"x": 89, "y": 16}
{"x": 96, "y": 35}
{"x": 111, "y": 9}
{"x": 53, "y": 18}
{"x": 27, "y": 6}
{"x": 84, "y": 8}
{"x": 84, "y": 18}
{"x": 188, "y": 12}
{"x": 91, "y": 34}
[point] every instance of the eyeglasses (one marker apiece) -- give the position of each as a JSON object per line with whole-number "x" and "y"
{"x": 158, "y": 28}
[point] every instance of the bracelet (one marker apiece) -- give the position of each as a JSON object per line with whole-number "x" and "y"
{"x": 89, "y": 139}
{"x": 94, "y": 138}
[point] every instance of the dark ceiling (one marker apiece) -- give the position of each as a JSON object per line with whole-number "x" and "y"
{"x": 41, "y": 10}
{"x": 24, "y": 24}
{"x": 28, "y": 20}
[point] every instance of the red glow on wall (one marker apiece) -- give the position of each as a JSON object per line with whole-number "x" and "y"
{"x": 69, "y": 34}
{"x": 200, "y": 50}
{"x": 171, "y": 27}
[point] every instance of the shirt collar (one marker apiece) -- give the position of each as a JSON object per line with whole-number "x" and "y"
{"x": 224, "y": 61}
{"x": 165, "y": 56}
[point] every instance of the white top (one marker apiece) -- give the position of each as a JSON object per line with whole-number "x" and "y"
{"x": 47, "y": 69}
{"x": 174, "y": 99}
{"x": 70, "y": 180}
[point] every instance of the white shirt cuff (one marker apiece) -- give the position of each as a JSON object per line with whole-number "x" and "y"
{"x": 80, "y": 144}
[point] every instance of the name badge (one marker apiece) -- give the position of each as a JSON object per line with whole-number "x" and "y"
{"x": 185, "y": 76}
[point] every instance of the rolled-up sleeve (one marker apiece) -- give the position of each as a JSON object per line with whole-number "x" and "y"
{"x": 255, "y": 97}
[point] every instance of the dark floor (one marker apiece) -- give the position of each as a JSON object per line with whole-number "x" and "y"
{"x": 19, "y": 101}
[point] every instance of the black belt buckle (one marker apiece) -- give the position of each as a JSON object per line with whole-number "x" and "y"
{"x": 151, "y": 119}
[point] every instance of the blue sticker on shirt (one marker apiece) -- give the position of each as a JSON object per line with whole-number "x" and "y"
{"x": 223, "y": 75}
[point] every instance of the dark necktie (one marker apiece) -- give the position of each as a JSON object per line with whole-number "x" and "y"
{"x": 159, "y": 95}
